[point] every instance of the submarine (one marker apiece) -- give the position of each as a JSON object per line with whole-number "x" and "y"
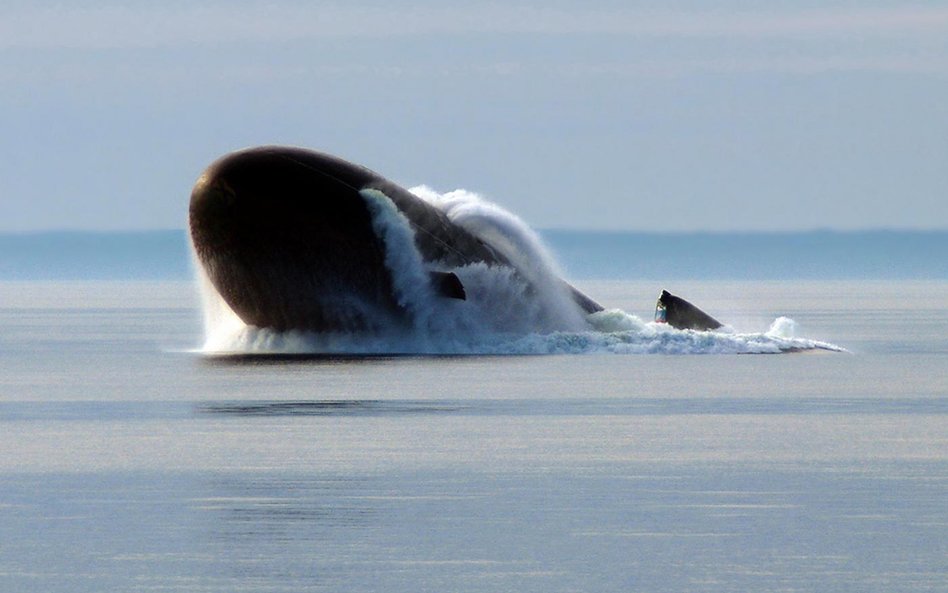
{"x": 289, "y": 238}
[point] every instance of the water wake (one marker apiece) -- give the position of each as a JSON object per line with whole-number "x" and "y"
{"x": 526, "y": 309}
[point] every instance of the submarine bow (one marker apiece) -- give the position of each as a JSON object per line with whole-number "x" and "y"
{"x": 290, "y": 239}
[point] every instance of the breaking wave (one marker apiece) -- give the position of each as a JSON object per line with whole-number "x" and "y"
{"x": 530, "y": 311}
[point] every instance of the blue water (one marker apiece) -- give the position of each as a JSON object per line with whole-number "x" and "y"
{"x": 829, "y": 255}
{"x": 67, "y": 255}
{"x": 897, "y": 255}
{"x": 130, "y": 462}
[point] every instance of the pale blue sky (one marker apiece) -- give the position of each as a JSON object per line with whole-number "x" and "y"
{"x": 617, "y": 115}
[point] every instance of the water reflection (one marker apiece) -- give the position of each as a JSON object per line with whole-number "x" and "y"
{"x": 331, "y": 408}
{"x": 581, "y": 407}
{"x": 284, "y": 508}
{"x": 307, "y": 358}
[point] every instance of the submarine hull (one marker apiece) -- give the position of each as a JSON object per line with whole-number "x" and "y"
{"x": 286, "y": 236}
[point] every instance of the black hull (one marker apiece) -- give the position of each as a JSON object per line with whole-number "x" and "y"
{"x": 286, "y": 237}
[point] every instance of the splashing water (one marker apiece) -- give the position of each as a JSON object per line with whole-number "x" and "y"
{"x": 517, "y": 242}
{"x": 527, "y": 311}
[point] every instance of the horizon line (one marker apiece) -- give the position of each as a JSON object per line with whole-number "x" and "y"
{"x": 541, "y": 229}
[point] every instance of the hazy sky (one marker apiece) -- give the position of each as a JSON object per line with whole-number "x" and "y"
{"x": 670, "y": 115}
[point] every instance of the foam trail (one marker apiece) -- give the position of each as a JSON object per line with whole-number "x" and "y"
{"x": 524, "y": 311}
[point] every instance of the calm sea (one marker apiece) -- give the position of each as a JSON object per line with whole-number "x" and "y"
{"x": 129, "y": 462}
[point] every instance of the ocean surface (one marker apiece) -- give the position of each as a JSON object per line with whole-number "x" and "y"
{"x": 132, "y": 461}
{"x": 813, "y": 255}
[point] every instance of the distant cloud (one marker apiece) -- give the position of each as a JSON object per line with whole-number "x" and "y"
{"x": 61, "y": 43}
{"x": 158, "y": 24}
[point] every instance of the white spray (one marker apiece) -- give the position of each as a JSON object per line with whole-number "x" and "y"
{"x": 409, "y": 276}
{"x": 508, "y": 234}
